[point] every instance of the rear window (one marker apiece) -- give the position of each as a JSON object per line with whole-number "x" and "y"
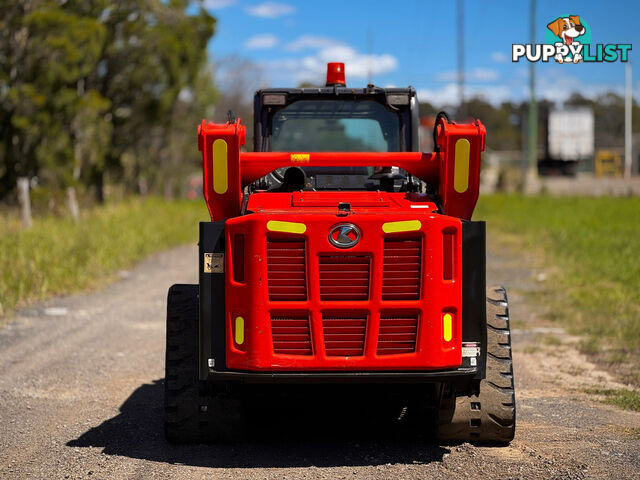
{"x": 332, "y": 125}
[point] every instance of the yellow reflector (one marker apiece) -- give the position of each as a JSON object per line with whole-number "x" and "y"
{"x": 461, "y": 166}
{"x": 239, "y": 330}
{"x": 406, "y": 226}
{"x": 220, "y": 176}
{"x": 447, "y": 327}
{"x": 286, "y": 227}
{"x": 300, "y": 157}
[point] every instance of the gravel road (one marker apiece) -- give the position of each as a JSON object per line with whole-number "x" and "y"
{"x": 81, "y": 397}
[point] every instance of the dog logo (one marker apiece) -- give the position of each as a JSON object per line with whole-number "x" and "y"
{"x": 344, "y": 235}
{"x": 568, "y": 29}
{"x": 567, "y": 39}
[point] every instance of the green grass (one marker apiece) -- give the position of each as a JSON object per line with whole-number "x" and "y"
{"x": 627, "y": 399}
{"x": 590, "y": 249}
{"x": 59, "y": 256}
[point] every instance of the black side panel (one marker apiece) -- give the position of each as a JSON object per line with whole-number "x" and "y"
{"x": 212, "y": 309}
{"x": 415, "y": 123}
{"x": 257, "y": 123}
{"x": 474, "y": 313}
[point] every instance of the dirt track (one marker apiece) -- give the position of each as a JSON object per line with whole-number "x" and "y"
{"x": 81, "y": 395}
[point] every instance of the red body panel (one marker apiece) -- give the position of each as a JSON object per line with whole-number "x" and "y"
{"x": 251, "y": 300}
{"x": 295, "y": 301}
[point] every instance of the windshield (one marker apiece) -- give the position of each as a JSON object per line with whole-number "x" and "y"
{"x": 335, "y": 125}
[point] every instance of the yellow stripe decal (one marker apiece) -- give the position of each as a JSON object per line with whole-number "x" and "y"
{"x": 405, "y": 226}
{"x": 220, "y": 177}
{"x": 286, "y": 227}
{"x": 300, "y": 157}
{"x": 447, "y": 327}
{"x": 461, "y": 166}
{"x": 239, "y": 330}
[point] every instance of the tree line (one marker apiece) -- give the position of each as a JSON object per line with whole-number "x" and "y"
{"x": 505, "y": 122}
{"x": 97, "y": 91}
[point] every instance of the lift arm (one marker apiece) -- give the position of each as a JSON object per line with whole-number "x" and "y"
{"x": 453, "y": 171}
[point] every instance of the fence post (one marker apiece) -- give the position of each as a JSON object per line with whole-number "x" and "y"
{"x": 72, "y": 199}
{"x": 24, "y": 200}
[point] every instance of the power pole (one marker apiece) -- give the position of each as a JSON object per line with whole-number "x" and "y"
{"x": 461, "y": 112}
{"x": 627, "y": 122}
{"x": 531, "y": 179}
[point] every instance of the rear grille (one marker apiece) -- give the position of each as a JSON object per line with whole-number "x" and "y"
{"x": 344, "y": 334}
{"x": 402, "y": 269}
{"x": 344, "y": 277}
{"x": 397, "y": 334}
{"x": 286, "y": 270}
{"x": 291, "y": 334}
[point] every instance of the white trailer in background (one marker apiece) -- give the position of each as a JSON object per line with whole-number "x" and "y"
{"x": 570, "y": 139}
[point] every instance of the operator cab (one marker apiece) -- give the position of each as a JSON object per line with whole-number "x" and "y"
{"x": 337, "y": 118}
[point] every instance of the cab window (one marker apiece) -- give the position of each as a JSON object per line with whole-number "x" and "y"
{"x": 332, "y": 125}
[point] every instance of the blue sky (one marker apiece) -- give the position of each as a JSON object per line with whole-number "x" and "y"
{"x": 414, "y": 43}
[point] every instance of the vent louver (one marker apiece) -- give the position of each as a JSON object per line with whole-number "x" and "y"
{"x": 291, "y": 334}
{"x": 402, "y": 269}
{"x": 344, "y": 333}
{"x": 397, "y": 334}
{"x": 286, "y": 270}
{"x": 344, "y": 277}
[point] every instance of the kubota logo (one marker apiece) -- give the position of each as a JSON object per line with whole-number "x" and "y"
{"x": 344, "y": 235}
{"x": 568, "y": 40}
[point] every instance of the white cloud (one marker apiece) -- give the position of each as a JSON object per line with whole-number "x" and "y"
{"x": 217, "y": 4}
{"x": 263, "y": 41}
{"x": 553, "y": 84}
{"x": 557, "y": 85}
{"x": 449, "y": 94}
{"x": 312, "y": 67}
{"x": 306, "y": 42}
{"x": 474, "y": 75}
{"x": 499, "y": 57}
{"x": 271, "y": 10}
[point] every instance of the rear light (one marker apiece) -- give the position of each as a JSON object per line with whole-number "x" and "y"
{"x": 448, "y": 318}
{"x": 239, "y": 331}
{"x": 238, "y": 258}
{"x": 274, "y": 99}
{"x": 448, "y": 254}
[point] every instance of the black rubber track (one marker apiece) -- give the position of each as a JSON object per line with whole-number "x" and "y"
{"x": 489, "y": 417}
{"x": 189, "y": 415}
